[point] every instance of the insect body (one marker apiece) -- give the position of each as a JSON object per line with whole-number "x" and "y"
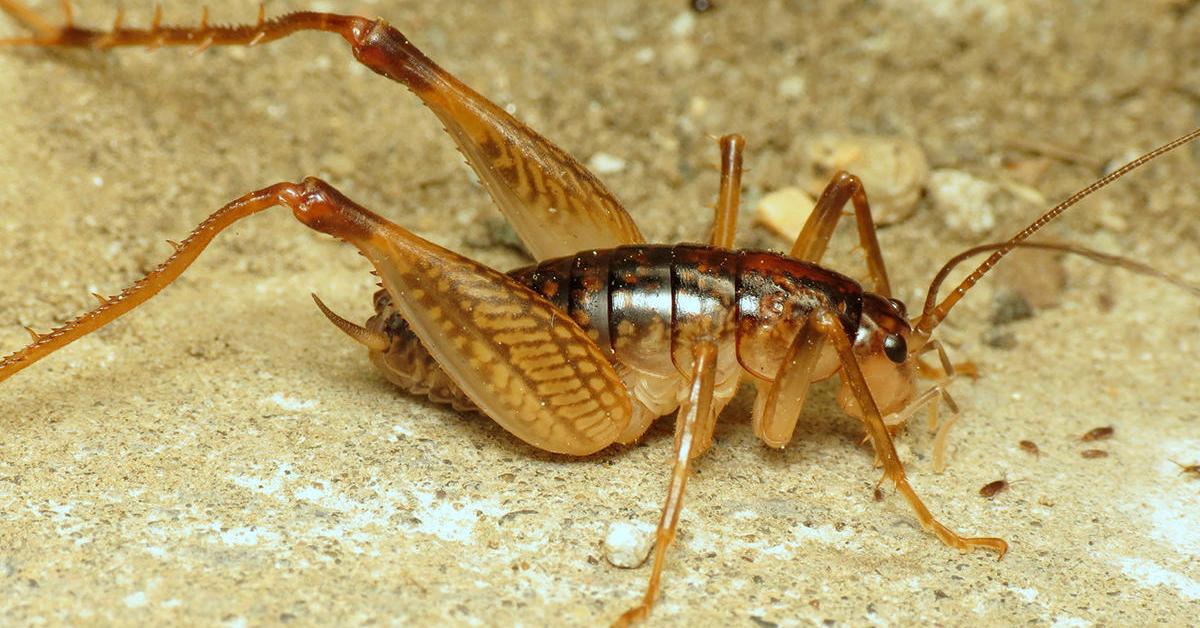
{"x": 606, "y": 332}
{"x": 1188, "y": 469}
{"x": 993, "y": 488}
{"x": 1098, "y": 433}
{"x": 634, "y": 304}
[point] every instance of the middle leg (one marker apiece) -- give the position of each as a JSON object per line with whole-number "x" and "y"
{"x": 697, "y": 408}
{"x": 810, "y": 245}
{"x": 725, "y": 219}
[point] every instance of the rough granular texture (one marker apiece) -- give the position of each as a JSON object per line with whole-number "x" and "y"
{"x": 225, "y": 455}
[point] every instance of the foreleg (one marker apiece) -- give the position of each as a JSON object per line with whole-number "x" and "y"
{"x": 885, "y": 451}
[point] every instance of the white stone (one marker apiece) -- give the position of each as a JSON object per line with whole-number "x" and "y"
{"x": 892, "y": 169}
{"x": 604, "y": 163}
{"x": 628, "y": 543}
{"x": 792, "y": 87}
{"x": 683, "y": 24}
{"x": 966, "y": 203}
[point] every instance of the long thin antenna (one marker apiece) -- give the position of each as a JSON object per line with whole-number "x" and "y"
{"x": 1131, "y": 265}
{"x": 932, "y": 315}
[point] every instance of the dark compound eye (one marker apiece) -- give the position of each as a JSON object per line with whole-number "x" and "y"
{"x": 895, "y": 348}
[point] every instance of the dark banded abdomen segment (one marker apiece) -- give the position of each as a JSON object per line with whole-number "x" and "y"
{"x": 704, "y": 297}
{"x": 641, "y": 307}
{"x": 408, "y": 364}
{"x": 656, "y": 302}
{"x": 646, "y": 305}
{"x": 578, "y": 286}
{"x": 775, "y": 296}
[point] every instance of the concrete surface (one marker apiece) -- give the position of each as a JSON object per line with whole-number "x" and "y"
{"x": 225, "y": 456}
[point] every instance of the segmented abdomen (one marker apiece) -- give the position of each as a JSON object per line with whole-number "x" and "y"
{"x": 407, "y": 363}
{"x": 647, "y": 306}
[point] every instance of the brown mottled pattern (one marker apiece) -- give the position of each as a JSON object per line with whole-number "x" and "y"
{"x": 551, "y": 178}
{"x": 776, "y": 294}
{"x": 555, "y": 204}
{"x": 577, "y": 285}
{"x": 407, "y": 363}
{"x": 524, "y": 364}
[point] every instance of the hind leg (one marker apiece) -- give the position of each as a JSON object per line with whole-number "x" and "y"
{"x": 516, "y": 356}
{"x": 554, "y": 203}
{"x": 522, "y": 362}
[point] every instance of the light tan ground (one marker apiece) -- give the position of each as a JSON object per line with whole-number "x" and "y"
{"x": 224, "y": 455}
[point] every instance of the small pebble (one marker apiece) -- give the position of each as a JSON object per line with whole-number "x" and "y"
{"x": 604, "y": 163}
{"x": 683, "y": 25}
{"x": 1000, "y": 339}
{"x": 1009, "y": 306}
{"x": 1115, "y": 162}
{"x": 792, "y": 87}
{"x": 893, "y": 170}
{"x": 1099, "y": 433}
{"x": 340, "y": 165}
{"x": 624, "y": 33}
{"x": 628, "y": 543}
{"x": 991, "y": 489}
{"x": 1036, "y": 277}
{"x": 966, "y": 203}
{"x": 784, "y": 211}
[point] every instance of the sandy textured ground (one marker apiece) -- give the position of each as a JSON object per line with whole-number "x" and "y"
{"x": 224, "y": 455}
